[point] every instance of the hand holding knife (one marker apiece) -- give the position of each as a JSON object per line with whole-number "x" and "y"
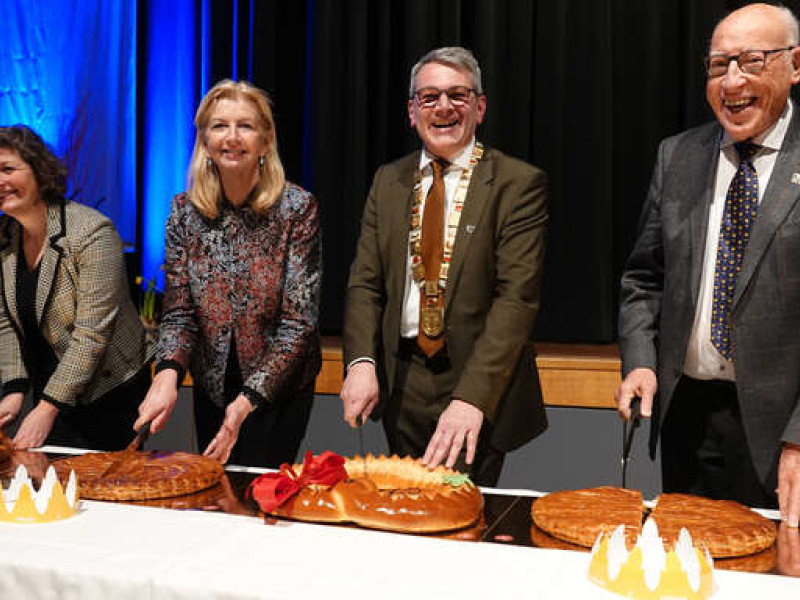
{"x": 141, "y": 437}
{"x": 627, "y": 435}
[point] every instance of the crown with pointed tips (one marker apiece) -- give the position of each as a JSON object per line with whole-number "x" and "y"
{"x": 649, "y": 571}
{"x": 22, "y": 504}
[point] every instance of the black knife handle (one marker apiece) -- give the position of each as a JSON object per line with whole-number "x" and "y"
{"x": 627, "y": 434}
{"x": 636, "y": 411}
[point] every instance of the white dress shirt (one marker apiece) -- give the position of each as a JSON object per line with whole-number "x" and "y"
{"x": 703, "y": 360}
{"x": 409, "y": 321}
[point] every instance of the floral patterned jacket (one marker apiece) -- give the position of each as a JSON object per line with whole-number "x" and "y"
{"x": 250, "y": 276}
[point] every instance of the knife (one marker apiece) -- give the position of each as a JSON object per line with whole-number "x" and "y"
{"x": 141, "y": 437}
{"x": 627, "y": 435}
{"x": 360, "y": 423}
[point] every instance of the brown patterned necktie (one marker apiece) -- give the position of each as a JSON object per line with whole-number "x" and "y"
{"x": 431, "y": 299}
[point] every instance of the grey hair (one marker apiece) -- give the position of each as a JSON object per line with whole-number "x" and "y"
{"x": 455, "y": 56}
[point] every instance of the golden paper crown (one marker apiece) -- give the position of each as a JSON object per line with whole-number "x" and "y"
{"x": 22, "y": 504}
{"x": 649, "y": 571}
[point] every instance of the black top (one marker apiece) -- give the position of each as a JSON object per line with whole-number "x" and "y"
{"x": 39, "y": 357}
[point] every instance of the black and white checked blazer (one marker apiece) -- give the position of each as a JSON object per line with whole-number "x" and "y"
{"x": 83, "y": 307}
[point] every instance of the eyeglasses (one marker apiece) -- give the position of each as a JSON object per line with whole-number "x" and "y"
{"x": 428, "y": 97}
{"x": 749, "y": 61}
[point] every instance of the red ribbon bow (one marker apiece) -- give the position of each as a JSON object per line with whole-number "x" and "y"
{"x": 271, "y": 490}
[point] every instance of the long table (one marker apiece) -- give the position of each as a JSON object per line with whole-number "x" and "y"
{"x": 113, "y": 550}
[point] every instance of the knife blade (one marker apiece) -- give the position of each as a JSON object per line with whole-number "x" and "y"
{"x": 497, "y": 521}
{"x": 628, "y": 429}
{"x": 141, "y": 437}
{"x": 360, "y": 423}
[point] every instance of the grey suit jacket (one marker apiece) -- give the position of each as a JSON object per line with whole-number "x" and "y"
{"x": 83, "y": 306}
{"x": 661, "y": 284}
{"x": 492, "y": 294}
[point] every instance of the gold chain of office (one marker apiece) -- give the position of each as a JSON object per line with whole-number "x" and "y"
{"x": 435, "y": 322}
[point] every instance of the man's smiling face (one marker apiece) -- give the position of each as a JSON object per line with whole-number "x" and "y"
{"x": 445, "y": 129}
{"x": 746, "y": 104}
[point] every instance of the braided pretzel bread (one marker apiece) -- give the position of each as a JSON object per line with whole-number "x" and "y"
{"x": 390, "y": 493}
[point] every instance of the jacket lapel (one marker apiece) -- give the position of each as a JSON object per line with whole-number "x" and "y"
{"x": 397, "y": 220}
{"x": 51, "y": 257}
{"x": 697, "y": 175}
{"x": 779, "y": 199}
{"x": 399, "y": 212}
{"x": 9, "y": 239}
{"x": 477, "y": 199}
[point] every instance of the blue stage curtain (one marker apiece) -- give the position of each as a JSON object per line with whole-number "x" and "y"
{"x": 68, "y": 70}
{"x": 171, "y": 79}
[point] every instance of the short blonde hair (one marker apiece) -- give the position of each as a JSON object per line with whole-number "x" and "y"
{"x": 205, "y": 189}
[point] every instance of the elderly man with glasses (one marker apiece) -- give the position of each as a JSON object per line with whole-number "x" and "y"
{"x": 710, "y": 301}
{"x": 444, "y": 290}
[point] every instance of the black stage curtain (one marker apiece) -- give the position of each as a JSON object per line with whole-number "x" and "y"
{"x": 584, "y": 89}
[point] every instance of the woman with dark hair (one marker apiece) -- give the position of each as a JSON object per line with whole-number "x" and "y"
{"x": 69, "y": 332}
{"x": 243, "y": 274}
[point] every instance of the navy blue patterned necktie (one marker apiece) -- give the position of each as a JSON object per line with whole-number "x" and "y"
{"x": 741, "y": 207}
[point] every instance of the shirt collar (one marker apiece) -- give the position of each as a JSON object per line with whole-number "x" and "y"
{"x": 772, "y": 138}
{"x": 461, "y": 159}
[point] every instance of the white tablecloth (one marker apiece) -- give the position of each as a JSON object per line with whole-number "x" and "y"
{"x": 118, "y": 551}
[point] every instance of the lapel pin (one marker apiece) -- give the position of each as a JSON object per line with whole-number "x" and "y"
{"x": 471, "y": 228}
{"x": 796, "y": 178}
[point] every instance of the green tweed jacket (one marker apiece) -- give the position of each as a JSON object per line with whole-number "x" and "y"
{"x": 83, "y": 306}
{"x": 492, "y": 293}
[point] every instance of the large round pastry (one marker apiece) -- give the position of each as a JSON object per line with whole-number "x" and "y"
{"x": 390, "y": 493}
{"x": 724, "y": 527}
{"x": 760, "y": 562}
{"x": 580, "y": 516}
{"x": 130, "y": 475}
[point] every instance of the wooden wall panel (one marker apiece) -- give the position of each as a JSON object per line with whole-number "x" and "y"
{"x": 577, "y": 375}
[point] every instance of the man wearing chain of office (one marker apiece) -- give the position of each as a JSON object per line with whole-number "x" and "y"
{"x": 444, "y": 289}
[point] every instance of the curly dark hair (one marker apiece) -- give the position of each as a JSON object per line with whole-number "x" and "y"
{"x": 50, "y": 172}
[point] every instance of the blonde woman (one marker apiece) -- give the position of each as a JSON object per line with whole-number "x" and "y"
{"x": 243, "y": 273}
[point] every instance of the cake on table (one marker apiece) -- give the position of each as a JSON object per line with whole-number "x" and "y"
{"x": 725, "y": 528}
{"x": 139, "y": 475}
